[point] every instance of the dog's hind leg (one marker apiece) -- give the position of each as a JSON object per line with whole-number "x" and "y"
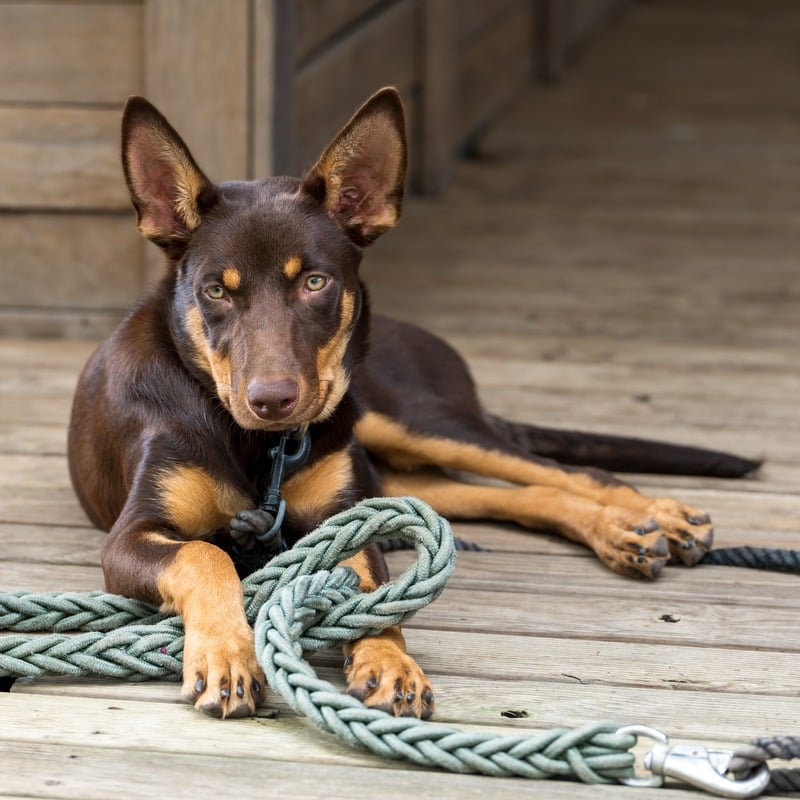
{"x": 483, "y": 452}
{"x": 624, "y": 540}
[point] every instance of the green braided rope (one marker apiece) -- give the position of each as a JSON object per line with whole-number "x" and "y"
{"x": 301, "y": 602}
{"x": 150, "y": 646}
{"x": 595, "y": 753}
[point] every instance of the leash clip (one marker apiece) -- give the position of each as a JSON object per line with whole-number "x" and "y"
{"x": 283, "y": 463}
{"x": 693, "y": 764}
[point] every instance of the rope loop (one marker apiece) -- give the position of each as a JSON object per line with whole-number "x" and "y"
{"x": 303, "y": 601}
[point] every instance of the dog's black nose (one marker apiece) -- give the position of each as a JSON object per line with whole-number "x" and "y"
{"x": 272, "y": 399}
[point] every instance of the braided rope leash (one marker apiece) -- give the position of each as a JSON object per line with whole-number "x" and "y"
{"x": 124, "y": 638}
{"x": 767, "y": 558}
{"x": 595, "y": 753}
{"x": 299, "y": 602}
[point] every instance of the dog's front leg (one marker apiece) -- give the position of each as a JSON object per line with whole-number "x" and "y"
{"x": 197, "y": 580}
{"x": 378, "y": 669}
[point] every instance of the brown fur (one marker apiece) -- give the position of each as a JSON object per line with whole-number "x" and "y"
{"x": 260, "y": 325}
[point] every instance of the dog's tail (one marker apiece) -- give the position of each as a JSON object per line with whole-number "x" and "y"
{"x": 621, "y": 453}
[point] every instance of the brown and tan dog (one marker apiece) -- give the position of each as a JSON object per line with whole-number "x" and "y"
{"x": 260, "y": 325}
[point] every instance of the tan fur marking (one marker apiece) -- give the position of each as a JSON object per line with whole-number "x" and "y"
{"x": 360, "y": 564}
{"x": 231, "y": 278}
{"x": 201, "y": 576}
{"x": 313, "y": 490}
{"x": 405, "y": 450}
{"x": 291, "y": 269}
{"x": 218, "y": 367}
{"x": 197, "y": 504}
{"x": 333, "y": 377}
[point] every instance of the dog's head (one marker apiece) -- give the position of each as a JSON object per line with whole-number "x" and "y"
{"x": 266, "y": 293}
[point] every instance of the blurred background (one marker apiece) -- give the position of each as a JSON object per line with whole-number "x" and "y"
{"x": 258, "y": 87}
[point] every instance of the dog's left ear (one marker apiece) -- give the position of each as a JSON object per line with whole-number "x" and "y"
{"x": 359, "y": 178}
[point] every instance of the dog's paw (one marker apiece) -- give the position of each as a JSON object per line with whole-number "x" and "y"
{"x": 383, "y": 676}
{"x": 689, "y": 532}
{"x": 221, "y": 675}
{"x": 629, "y": 543}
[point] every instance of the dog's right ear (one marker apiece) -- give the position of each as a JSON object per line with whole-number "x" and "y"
{"x": 169, "y": 191}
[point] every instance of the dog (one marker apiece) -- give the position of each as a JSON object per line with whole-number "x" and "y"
{"x": 260, "y": 326}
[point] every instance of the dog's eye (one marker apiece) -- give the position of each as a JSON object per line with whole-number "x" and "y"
{"x": 215, "y": 291}
{"x": 316, "y": 282}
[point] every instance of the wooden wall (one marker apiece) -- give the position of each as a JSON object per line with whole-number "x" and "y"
{"x": 256, "y": 87}
{"x": 65, "y": 225}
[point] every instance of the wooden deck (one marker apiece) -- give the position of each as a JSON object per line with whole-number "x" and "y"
{"x": 622, "y": 257}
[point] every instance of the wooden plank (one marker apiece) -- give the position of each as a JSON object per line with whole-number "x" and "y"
{"x": 61, "y": 158}
{"x": 82, "y": 52}
{"x": 464, "y": 702}
{"x": 26, "y": 576}
{"x": 36, "y": 769}
{"x": 38, "y": 490}
{"x": 612, "y": 619}
{"x": 54, "y": 545}
{"x": 58, "y": 323}
{"x": 70, "y": 261}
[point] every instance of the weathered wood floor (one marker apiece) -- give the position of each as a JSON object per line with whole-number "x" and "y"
{"x": 624, "y": 257}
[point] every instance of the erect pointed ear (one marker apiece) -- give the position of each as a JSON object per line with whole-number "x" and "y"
{"x": 169, "y": 191}
{"x": 359, "y": 178}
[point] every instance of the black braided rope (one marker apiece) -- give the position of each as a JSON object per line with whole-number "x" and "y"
{"x": 769, "y": 558}
{"x": 461, "y": 545}
{"x": 750, "y": 757}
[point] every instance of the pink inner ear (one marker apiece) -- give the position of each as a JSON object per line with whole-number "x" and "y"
{"x": 351, "y": 196}
{"x": 161, "y": 193}
{"x": 154, "y": 183}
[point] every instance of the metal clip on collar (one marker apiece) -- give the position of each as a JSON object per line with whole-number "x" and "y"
{"x": 695, "y": 765}
{"x": 283, "y": 464}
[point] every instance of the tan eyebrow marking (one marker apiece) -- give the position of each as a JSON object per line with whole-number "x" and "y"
{"x": 231, "y": 278}
{"x": 291, "y": 269}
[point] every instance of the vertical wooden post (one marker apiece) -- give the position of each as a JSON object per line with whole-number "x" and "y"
{"x": 554, "y": 38}
{"x": 438, "y": 135}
